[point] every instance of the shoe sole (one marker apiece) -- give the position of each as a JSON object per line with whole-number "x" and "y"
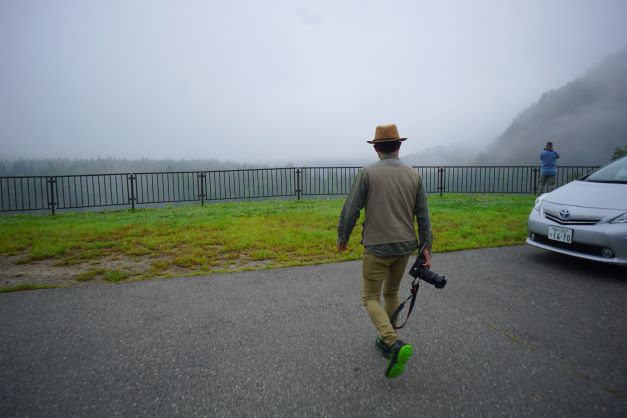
{"x": 397, "y": 368}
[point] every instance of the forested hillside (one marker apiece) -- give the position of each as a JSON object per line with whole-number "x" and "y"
{"x": 586, "y": 119}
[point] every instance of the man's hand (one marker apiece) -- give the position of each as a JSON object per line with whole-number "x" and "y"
{"x": 427, "y": 255}
{"x": 341, "y": 246}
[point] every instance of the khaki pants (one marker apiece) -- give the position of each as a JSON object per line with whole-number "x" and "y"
{"x": 547, "y": 183}
{"x": 382, "y": 273}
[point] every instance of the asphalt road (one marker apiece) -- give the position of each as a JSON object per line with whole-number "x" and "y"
{"x": 517, "y": 332}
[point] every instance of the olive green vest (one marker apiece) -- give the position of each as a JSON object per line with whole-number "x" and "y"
{"x": 392, "y": 189}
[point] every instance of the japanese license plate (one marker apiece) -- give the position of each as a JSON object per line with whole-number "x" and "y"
{"x": 561, "y": 234}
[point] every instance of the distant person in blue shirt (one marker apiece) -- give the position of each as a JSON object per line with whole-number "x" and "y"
{"x": 548, "y": 157}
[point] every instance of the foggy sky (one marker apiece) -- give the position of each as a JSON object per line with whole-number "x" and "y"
{"x": 282, "y": 80}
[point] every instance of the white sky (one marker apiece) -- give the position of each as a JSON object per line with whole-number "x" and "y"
{"x": 278, "y": 80}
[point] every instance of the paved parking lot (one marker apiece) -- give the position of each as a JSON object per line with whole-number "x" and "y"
{"x": 517, "y": 332}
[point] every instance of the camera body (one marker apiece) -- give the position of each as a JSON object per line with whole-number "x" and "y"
{"x": 418, "y": 271}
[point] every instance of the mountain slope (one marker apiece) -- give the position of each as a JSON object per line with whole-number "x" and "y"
{"x": 586, "y": 119}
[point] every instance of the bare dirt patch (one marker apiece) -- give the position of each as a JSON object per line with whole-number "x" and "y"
{"x": 46, "y": 272}
{"x": 91, "y": 272}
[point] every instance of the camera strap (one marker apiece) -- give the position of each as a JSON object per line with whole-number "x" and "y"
{"x": 415, "y": 285}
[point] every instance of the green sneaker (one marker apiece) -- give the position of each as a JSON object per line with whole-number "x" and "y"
{"x": 385, "y": 350}
{"x": 401, "y": 353}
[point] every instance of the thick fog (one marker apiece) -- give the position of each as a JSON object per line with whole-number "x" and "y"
{"x": 282, "y": 81}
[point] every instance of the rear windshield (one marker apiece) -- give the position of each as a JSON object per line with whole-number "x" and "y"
{"x": 614, "y": 172}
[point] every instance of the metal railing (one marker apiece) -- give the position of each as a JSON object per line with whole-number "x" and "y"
{"x": 34, "y": 193}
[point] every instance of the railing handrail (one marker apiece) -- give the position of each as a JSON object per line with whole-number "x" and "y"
{"x": 73, "y": 191}
{"x": 124, "y": 173}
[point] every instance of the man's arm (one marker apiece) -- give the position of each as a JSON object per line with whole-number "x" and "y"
{"x": 355, "y": 201}
{"x": 421, "y": 212}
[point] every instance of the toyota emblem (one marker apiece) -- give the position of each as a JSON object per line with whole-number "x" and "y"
{"x": 564, "y": 213}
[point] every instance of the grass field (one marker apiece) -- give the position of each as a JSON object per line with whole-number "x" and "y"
{"x": 191, "y": 240}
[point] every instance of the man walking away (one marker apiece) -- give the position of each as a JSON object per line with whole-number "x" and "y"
{"x": 548, "y": 157}
{"x": 392, "y": 194}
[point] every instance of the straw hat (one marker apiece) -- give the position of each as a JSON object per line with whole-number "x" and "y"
{"x": 386, "y": 133}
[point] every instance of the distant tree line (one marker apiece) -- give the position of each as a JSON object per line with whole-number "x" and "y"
{"x": 108, "y": 165}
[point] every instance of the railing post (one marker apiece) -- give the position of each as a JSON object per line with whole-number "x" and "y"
{"x": 534, "y": 180}
{"x": 201, "y": 188}
{"x": 130, "y": 178}
{"x": 52, "y": 181}
{"x": 298, "y": 190}
{"x": 441, "y": 180}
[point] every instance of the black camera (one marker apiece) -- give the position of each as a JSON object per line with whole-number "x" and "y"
{"x": 417, "y": 271}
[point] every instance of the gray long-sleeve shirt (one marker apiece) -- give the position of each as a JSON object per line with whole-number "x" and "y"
{"x": 356, "y": 201}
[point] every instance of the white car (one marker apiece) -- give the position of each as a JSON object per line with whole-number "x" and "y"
{"x": 585, "y": 218}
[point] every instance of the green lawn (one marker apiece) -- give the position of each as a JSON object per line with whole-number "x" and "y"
{"x": 248, "y": 235}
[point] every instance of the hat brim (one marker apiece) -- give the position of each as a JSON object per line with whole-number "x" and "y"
{"x": 376, "y": 141}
